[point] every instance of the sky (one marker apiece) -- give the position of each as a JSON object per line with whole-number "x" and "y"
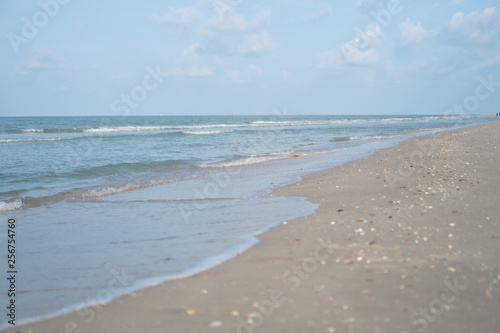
{"x": 246, "y": 57}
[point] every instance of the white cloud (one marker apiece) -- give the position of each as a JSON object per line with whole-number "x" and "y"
{"x": 368, "y": 6}
{"x": 372, "y": 37}
{"x": 413, "y": 33}
{"x": 490, "y": 63}
{"x": 192, "y": 50}
{"x": 223, "y": 17}
{"x": 192, "y": 64}
{"x": 41, "y": 59}
{"x": 331, "y": 58}
{"x": 343, "y": 56}
{"x": 224, "y": 31}
{"x": 360, "y": 51}
{"x": 477, "y": 27}
{"x": 362, "y": 57}
{"x": 237, "y": 34}
{"x": 252, "y": 72}
{"x": 181, "y": 16}
{"x": 255, "y": 43}
{"x": 231, "y": 20}
{"x": 322, "y": 11}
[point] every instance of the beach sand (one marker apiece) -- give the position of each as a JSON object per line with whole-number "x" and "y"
{"x": 406, "y": 240}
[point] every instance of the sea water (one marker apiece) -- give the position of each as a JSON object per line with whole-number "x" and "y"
{"x": 106, "y": 205}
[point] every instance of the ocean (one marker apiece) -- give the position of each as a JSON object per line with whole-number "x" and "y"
{"x": 108, "y": 205}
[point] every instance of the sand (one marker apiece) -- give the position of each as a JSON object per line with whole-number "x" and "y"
{"x": 406, "y": 240}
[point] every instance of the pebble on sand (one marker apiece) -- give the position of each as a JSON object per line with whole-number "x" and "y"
{"x": 216, "y": 323}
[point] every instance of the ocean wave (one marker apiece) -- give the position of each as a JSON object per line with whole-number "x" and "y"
{"x": 158, "y": 128}
{"x": 81, "y": 194}
{"x": 84, "y": 136}
{"x": 100, "y": 192}
{"x": 254, "y": 159}
{"x": 48, "y": 130}
{"x": 208, "y": 126}
{"x": 296, "y": 123}
{"x": 240, "y": 162}
{"x": 248, "y": 160}
{"x": 32, "y": 130}
{"x": 118, "y": 168}
{"x": 316, "y": 122}
{"x": 39, "y": 140}
{"x": 248, "y": 124}
{"x": 126, "y": 129}
{"x": 342, "y": 139}
{"x": 205, "y": 132}
{"x": 371, "y": 137}
{"x": 95, "y": 192}
{"x": 107, "y": 191}
{"x": 6, "y": 206}
{"x": 91, "y": 130}
{"x": 364, "y": 137}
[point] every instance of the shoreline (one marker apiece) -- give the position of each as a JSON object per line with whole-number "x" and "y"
{"x": 218, "y": 299}
{"x": 251, "y": 239}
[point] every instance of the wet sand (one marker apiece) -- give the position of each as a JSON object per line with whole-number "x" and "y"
{"x": 406, "y": 240}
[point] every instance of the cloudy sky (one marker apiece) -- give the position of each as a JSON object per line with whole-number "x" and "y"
{"x": 193, "y": 57}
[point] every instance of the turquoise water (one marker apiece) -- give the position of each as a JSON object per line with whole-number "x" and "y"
{"x": 106, "y": 205}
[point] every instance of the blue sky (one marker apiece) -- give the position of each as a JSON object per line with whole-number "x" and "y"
{"x": 124, "y": 57}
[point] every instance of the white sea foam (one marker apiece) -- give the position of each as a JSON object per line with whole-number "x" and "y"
{"x": 6, "y": 206}
{"x": 104, "y": 192}
{"x": 205, "y": 132}
{"x": 245, "y": 161}
{"x": 251, "y": 124}
{"x": 267, "y": 123}
{"x": 372, "y": 137}
{"x": 254, "y": 159}
{"x": 37, "y": 140}
{"x": 299, "y": 123}
{"x": 32, "y": 130}
{"x": 158, "y": 128}
{"x": 126, "y": 129}
{"x": 111, "y": 190}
